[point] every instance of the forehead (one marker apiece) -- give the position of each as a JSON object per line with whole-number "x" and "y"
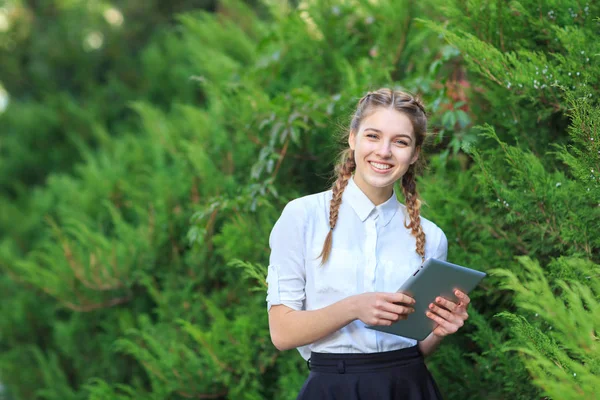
{"x": 389, "y": 122}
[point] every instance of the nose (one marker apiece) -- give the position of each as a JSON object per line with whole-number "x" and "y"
{"x": 384, "y": 150}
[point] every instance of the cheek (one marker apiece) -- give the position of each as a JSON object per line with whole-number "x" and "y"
{"x": 363, "y": 148}
{"x": 405, "y": 156}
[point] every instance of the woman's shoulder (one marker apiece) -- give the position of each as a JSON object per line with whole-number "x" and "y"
{"x": 309, "y": 203}
{"x": 431, "y": 229}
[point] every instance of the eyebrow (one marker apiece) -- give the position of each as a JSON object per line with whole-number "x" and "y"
{"x": 400, "y": 134}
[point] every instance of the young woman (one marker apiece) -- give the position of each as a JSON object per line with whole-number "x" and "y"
{"x": 338, "y": 257}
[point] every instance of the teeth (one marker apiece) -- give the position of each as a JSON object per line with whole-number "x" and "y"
{"x": 380, "y": 166}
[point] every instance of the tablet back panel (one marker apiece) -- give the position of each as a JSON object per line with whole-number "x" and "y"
{"x": 434, "y": 278}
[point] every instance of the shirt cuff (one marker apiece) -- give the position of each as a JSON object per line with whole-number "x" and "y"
{"x": 274, "y": 292}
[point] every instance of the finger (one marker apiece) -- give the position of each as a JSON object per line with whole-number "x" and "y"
{"x": 447, "y": 315}
{"x": 386, "y": 322}
{"x": 449, "y": 305}
{"x": 399, "y": 297}
{"x": 385, "y": 305}
{"x": 389, "y": 316}
{"x": 464, "y": 299}
{"x": 447, "y": 326}
{"x": 397, "y": 309}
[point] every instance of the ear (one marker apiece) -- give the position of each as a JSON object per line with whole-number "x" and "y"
{"x": 352, "y": 140}
{"x": 416, "y": 155}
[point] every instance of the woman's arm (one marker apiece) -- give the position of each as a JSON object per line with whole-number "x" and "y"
{"x": 430, "y": 344}
{"x": 290, "y": 328}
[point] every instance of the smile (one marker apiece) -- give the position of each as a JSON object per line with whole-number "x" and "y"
{"x": 380, "y": 167}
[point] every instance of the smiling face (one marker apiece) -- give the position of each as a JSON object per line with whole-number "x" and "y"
{"x": 384, "y": 148}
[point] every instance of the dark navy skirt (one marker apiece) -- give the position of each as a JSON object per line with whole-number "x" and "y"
{"x": 391, "y": 375}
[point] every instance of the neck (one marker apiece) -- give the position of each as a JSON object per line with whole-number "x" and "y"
{"x": 376, "y": 195}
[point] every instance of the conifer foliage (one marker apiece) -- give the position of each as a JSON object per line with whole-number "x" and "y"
{"x": 132, "y": 264}
{"x": 536, "y": 169}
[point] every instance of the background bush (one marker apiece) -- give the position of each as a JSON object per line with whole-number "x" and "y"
{"x": 143, "y": 164}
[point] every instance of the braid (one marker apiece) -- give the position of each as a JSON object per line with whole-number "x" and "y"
{"x": 416, "y": 101}
{"x": 413, "y": 205}
{"x": 344, "y": 172}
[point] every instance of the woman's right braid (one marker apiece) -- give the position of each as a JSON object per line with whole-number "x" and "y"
{"x": 344, "y": 172}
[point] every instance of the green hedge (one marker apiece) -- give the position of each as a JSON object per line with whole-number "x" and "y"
{"x": 135, "y": 235}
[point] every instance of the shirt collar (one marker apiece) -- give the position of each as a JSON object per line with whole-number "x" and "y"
{"x": 364, "y": 207}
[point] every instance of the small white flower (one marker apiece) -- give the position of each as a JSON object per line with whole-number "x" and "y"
{"x": 558, "y": 184}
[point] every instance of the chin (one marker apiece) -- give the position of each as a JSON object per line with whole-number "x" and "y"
{"x": 381, "y": 183}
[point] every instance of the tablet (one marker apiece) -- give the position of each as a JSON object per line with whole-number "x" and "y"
{"x": 434, "y": 278}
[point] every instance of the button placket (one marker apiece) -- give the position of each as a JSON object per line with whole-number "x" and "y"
{"x": 370, "y": 253}
{"x": 370, "y": 267}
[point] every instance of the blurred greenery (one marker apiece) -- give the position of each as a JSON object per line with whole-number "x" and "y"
{"x": 148, "y": 147}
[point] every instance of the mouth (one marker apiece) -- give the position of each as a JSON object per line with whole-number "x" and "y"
{"x": 380, "y": 167}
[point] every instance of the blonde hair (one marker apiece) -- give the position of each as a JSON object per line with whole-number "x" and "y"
{"x": 411, "y": 107}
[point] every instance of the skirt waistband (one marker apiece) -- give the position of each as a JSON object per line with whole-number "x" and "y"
{"x": 363, "y": 362}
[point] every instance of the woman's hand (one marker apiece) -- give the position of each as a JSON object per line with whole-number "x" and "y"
{"x": 377, "y": 308}
{"x": 448, "y": 315}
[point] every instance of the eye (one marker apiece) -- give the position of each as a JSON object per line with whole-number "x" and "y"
{"x": 372, "y": 135}
{"x": 402, "y": 142}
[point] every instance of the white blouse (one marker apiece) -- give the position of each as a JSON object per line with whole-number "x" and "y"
{"x": 372, "y": 251}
